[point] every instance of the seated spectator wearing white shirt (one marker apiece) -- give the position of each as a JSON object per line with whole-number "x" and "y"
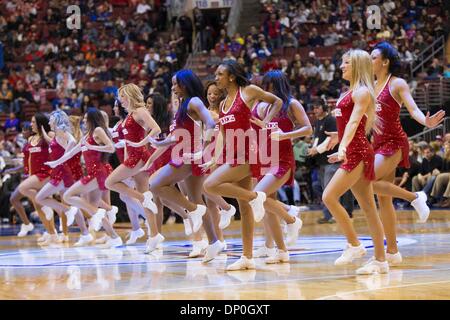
{"x": 143, "y": 7}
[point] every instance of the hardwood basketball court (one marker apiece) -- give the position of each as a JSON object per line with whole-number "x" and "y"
{"x": 31, "y": 272}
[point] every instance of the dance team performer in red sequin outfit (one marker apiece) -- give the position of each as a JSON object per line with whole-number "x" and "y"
{"x": 355, "y": 115}
{"x": 93, "y": 146}
{"x": 280, "y": 170}
{"x": 59, "y": 139}
{"x": 159, "y": 108}
{"x": 35, "y": 155}
{"x": 391, "y": 143}
{"x": 135, "y": 127}
{"x": 186, "y": 138}
{"x": 234, "y": 177}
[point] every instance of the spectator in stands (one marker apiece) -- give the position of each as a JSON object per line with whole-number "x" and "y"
{"x": 86, "y": 104}
{"x": 223, "y": 35}
{"x": 222, "y": 47}
{"x": 186, "y": 31}
{"x": 304, "y": 97}
{"x": 253, "y": 33}
{"x": 15, "y": 75}
{"x": 313, "y": 58}
{"x": 284, "y": 20}
{"x": 250, "y": 50}
{"x": 60, "y": 101}
{"x": 48, "y": 77}
{"x": 342, "y": 26}
{"x": 289, "y": 40}
{"x": 272, "y": 30}
{"x": 110, "y": 90}
{"x": 20, "y": 97}
{"x": 325, "y": 91}
{"x": 104, "y": 74}
{"x": 314, "y": 39}
{"x": 337, "y": 56}
{"x": 331, "y": 38}
{"x": 32, "y": 51}
{"x": 327, "y": 70}
{"x": 32, "y": 76}
{"x": 310, "y": 71}
{"x": 412, "y": 11}
{"x": 284, "y": 66}
{"x": 431, "y": 163}
{"x": 199, "y": 26}
{"x": 223, "y": 19}
{"x": 65, "y": 82}
{"x": 446, "y": 73}
{"x": 207, "y": 39}
{"x": 418, "y": 43}
{"x": 406, "y": 55}
{"x": 6, "y": 96}
{"x": 12, "y": 124}
{"x": 236, "y": 44}
{"x": 447, "y": 137}
{"x": 6, "y": 147}
{"x": 441, "y": 187}
{"x": 435, "y": 70}
{"x": 263, "y": 51}
{"x": 388, "y": 6}
{"x": 269, "y": 64}
{"x": 326, "y": 123}
{"x": 228, "y": 56}
{"x": 143, "y": 7}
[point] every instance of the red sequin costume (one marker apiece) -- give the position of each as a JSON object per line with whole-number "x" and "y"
{"x": 285, "y": 160}
{"x": 96, "y": 169}
{"x": 34, "y": 159}
{"x": 133, "y": 131}
{"x": 163, "y": 159}
{"x": 61, "y": 172}
{"x": 75, "y": 167}
{"x": 391, "y": 136}
{"x": 237, "y": 118}
{"x": 359, "y": 148}
{"x": 194, "y": 129}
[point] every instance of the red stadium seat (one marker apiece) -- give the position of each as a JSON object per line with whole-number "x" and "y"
{"x": 51, "y": 94}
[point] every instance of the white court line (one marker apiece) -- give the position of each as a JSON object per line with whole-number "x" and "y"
{"x": 249, "y": 283}
{"x": 381, "y": 288}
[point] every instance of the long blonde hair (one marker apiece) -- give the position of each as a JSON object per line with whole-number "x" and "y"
{"x": 134, "y": 94}
{"x": 362, "y": 76}
{"x": 75, "y": 122}
{"x": 447, "y": 151}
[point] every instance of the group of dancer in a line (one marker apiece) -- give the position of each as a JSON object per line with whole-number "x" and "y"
{"x": 155, "y": 171}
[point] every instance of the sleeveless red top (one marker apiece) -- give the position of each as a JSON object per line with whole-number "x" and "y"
{"x": 75, "y": 166}
{"x": 95, "y": 167}
{"x": 359, "y": 148}
{"x": 61, "y": 172}
{"x": 34, "y": 159}
{"x": 134, "y": 132}
{"x": 192, "y": 145}
{"x": 391, "y": 136}
{"x": 283, "y": 161}
{"x": 239, "y": 140}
